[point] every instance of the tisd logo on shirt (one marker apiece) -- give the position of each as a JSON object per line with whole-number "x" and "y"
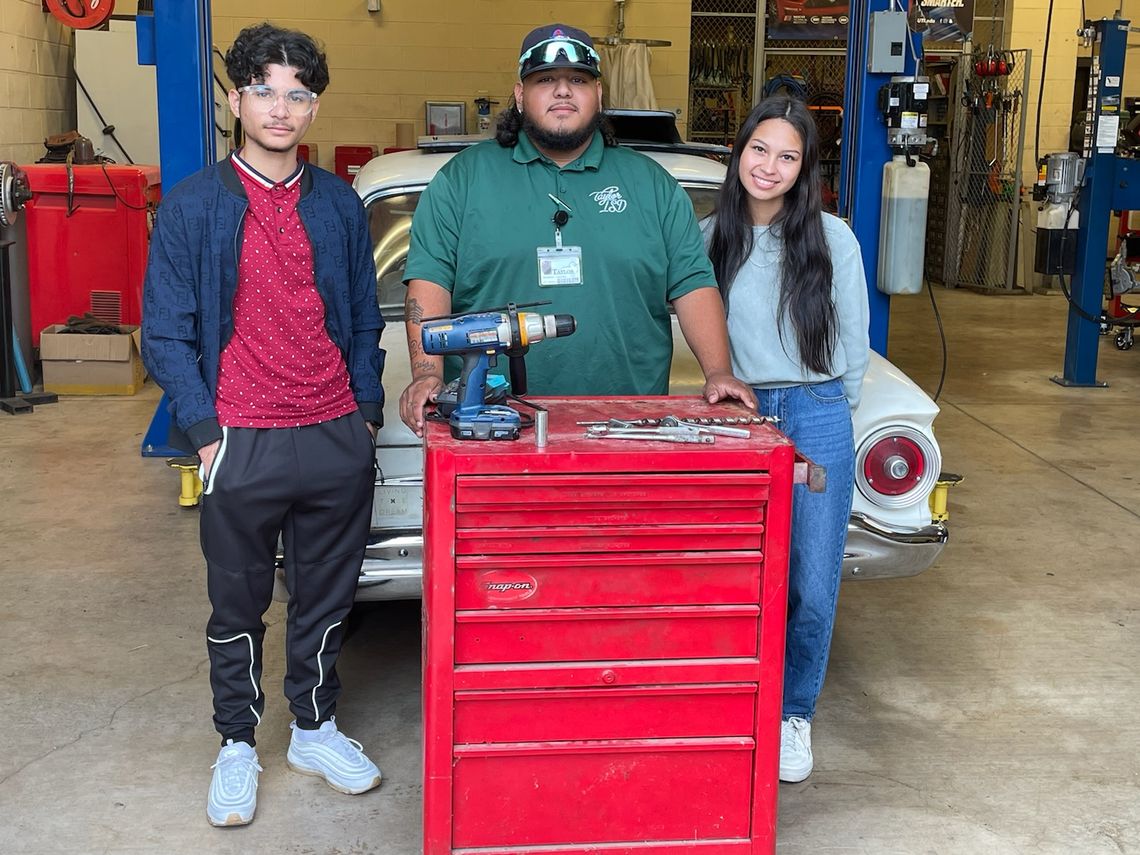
{"x": 610, "y": 200}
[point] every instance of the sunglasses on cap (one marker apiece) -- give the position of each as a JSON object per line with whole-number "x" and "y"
{"x": 559, "y": 51}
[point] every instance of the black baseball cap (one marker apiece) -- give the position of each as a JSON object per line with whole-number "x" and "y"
{"x": 558, "y": 46}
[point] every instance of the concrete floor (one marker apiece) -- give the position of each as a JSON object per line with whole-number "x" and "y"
{"x": 988, "y": 705}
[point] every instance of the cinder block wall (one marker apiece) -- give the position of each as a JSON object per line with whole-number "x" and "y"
{"x": 37, "y": 91}
{"x": 1130, "y": 11}
{"x": 1026, "y": 29}
{"x": 385, "y": 65}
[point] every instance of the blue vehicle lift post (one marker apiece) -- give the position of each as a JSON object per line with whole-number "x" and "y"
{"x": 863, "y": 152}
{"x": 175, "y": 38}
{"x": 1111, "y": 183}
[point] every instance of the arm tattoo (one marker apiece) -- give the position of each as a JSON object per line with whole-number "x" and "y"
{"x": 414, "y": 310}
{"x": 414, "y": 347}
{"x": 424, "y": 365}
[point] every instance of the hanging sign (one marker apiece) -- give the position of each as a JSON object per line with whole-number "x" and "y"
{"x": 942, "y": 20}
{"x": 809, "y": 19}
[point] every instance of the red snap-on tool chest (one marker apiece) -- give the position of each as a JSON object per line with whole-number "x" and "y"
{"x": 604, "y": 637}
{"x": 87, "y": 241}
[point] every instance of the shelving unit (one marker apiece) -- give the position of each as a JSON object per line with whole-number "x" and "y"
{"x": 944, "y": 95}
{"x": 721, "y": 66}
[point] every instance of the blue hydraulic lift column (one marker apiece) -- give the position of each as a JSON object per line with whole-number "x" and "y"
{"x": 175, "y": 38}
{"x": 863, "y": 152}
{"x": 1104, "y": 189}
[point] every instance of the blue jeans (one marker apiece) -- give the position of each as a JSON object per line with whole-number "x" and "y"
{"x": 817, "y": 418}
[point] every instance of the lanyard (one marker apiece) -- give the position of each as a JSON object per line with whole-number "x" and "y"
{"x": 561, "y": 217}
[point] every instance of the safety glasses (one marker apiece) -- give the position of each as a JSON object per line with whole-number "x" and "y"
{"x": 299, "y": 102}
{"x": 551, "y": 51}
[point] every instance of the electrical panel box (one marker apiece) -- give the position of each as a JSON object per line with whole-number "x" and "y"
{"x": 887, "y": 43}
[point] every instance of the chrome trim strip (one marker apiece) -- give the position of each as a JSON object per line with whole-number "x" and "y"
{"x": 933, "y": 533}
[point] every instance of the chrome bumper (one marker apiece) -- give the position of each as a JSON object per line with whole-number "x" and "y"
{"x": 393, "y": 567}
{"x": 876, "y": 552}
{"x": 393, "y": 561}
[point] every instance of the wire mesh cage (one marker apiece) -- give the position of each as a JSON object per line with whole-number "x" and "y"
{"x": 721, "y": 63}
{"x": 985, "y": 171}
{"x": 720, "y": 7}
{"x": 818, "y": 79}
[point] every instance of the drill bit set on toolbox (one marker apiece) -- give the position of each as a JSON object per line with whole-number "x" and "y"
{"x": 703, "y": 431}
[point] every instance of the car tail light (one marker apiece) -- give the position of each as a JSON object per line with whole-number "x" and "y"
{"x": 896, "y": 467}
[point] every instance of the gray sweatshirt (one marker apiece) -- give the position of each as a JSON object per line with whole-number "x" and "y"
{"x": 760, "y": 356}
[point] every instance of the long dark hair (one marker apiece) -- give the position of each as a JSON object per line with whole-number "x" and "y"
{"x": 510, "y": 121}
{"x": 805, "y": 264}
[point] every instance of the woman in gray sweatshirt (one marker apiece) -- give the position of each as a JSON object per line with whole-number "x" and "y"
{"x": 796, "y": 296}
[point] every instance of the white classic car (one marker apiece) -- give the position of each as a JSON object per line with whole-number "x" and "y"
{"x": 891, "y": 532}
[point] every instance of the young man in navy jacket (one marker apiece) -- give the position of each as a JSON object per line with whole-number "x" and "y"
{"x": 260, "y": 323}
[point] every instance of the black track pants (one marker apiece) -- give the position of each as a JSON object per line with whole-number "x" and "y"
{"x": 313, "y": 485}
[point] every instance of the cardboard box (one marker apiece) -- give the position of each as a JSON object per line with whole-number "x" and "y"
{"x": 77, "y": 364}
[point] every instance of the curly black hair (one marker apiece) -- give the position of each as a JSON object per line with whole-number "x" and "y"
{"x": 264, "y": 44}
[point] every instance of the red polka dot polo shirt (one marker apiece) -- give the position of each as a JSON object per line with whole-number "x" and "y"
{"x": 280, "y": 368}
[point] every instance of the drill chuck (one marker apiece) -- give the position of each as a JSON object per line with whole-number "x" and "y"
{"x": 563, "y": 325}
{"x": 534, "y": 328}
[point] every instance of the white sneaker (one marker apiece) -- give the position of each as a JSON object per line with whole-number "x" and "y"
{"x": 327, "y": 753}
{"x": 233, "y": 790}
{"x": 795, "y": 750}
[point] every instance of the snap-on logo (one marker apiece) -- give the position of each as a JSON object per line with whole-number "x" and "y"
{"x": 507, "y": 586}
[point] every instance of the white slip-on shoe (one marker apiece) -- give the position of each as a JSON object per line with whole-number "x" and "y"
{"x": 233, "y": 789}
{"x": 327, "y": 753}
{"x": 795, "y": 750}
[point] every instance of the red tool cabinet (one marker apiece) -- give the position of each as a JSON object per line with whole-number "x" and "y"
{"x": 88, "y": 237}
{"x": 603, "y": 638}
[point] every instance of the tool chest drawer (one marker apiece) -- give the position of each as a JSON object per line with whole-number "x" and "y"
{"x": 630, "y": 489}
{"x": 594, "y": 792}
{"x": 599, "y": 579}
{"x": 504, "y": 503}
{"x": 594, "y": 675}
{"x": 569, "y": 635}
{"x": 648, "y": 712}
{"x": 516, "y": 541}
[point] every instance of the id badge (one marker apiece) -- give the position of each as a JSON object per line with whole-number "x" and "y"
{"x": 559, "y": 266}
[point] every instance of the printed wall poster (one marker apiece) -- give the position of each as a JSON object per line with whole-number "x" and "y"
{"x": 809, "y": 19}
{"x": 942, "y": 20}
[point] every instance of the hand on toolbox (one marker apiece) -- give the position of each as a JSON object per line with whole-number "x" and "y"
{"x": 724, "y": 386}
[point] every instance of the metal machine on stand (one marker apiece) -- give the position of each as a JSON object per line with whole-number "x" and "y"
{"x": 16, "y": 395}
{"x": 1109, "y": 182}
{"x": 1124, "y": 275}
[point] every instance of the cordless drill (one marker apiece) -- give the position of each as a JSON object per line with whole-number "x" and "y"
{"x": 479, "y": 338}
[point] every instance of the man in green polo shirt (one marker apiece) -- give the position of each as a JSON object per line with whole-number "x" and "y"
{"x": 553, "y": 210}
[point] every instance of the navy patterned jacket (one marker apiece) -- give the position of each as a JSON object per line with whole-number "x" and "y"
{"x": 191, "y": 279}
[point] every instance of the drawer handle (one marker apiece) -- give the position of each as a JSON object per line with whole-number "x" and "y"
{"x": 609, "y": 676}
